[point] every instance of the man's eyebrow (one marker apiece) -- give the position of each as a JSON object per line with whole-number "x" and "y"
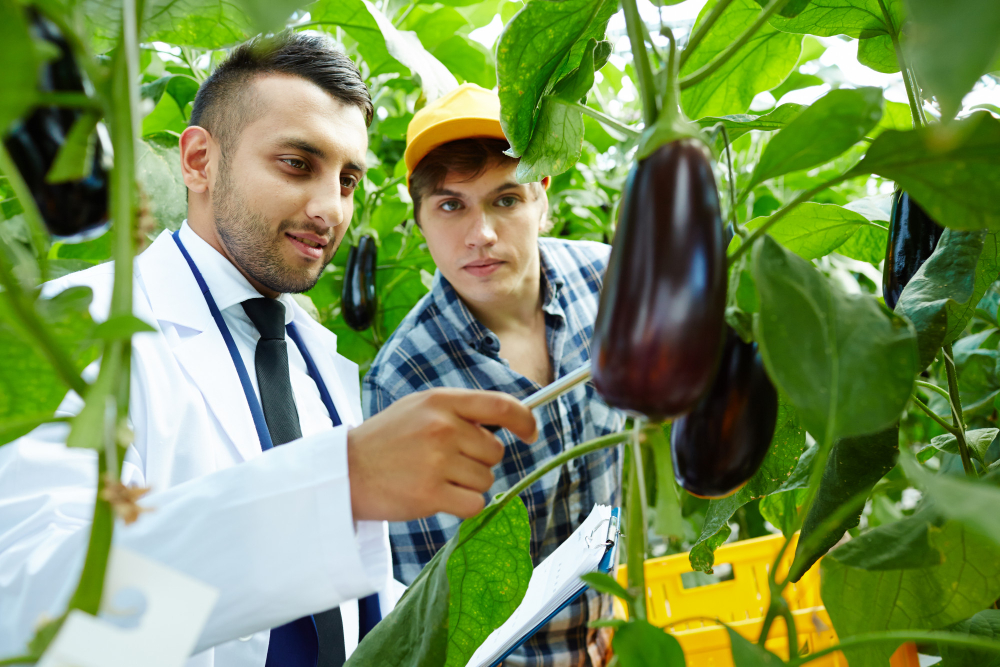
{"x": 360, "y": 168}
{"x": 441, "y": 192}
{"x": 509, "y": 185}
{"x": 303, "y": 146}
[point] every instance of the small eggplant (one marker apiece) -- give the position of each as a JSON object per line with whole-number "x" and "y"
{"x": 720, "y": 444}
{"x": 68, "y": 208}
{"x": 358, "y": 301}
{"x": 913, "y": 236}
{"x": 658, "y": 333}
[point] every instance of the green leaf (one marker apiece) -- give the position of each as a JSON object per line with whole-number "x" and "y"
{"x": 879, "y": 54}
{"x": 20, "y": 64}
{"x": 869, "y": 600}
{"x": 844, "y": 362}
{"x": 748, "y": 654}
{"x": 867, "y": 244}
{"x": 639, "y": 644}
{"x": 793, "y": 8}
{"x": 854, "y": 466}
{"x": 824, "y": 130}
{"x": 669, "y": 520}
{"x": 978, "y": 440}
{"x": 75, "y": 159}
{"x": 468, "y": 59}
{"x": 353, "y": 16}
{"x": 951, "y": 171}
{"x": 435, "y": 26}
{"x": 430, "y": 626}
{"x": 796, "y": 81}
{"x": 575, "y": 85}
{"x": 935, "y": 297}
{"x": 787, "y": 447}
{"x": 739, "y": 124}
{"x": 952, "y": 45}
{"x": 901, "y": 545}
{"x": 985, "y": 624}
{"x": 487, "y": 576}
{"x": 158, "y": 169}
{"x": 812, "y": 230}
{"x": 556, "y": 143}
{"x": 604, "y": 583}
{"x": 781, "y": 510}
{"x": 13, "y": 429}
{"x": 543, "y": 41}
{"x": 761, "y": 64}
{"x": 120, "y": 327}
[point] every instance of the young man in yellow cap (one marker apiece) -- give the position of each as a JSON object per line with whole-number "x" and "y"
{"x": 508, "y": 311}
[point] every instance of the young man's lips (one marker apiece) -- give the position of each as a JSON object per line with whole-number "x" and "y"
{"x": 483, "y": 267}
{"x": 309, "y": 245}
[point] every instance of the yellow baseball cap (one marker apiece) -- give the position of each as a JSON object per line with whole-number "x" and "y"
{"x": 466, "y": 112}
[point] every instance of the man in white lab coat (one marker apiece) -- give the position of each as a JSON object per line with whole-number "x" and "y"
{"x": 276, "y": 147}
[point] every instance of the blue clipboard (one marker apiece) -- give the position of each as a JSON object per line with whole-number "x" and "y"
{"x": 607, "y": 562}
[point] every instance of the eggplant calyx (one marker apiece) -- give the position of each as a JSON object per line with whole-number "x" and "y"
{"x": 670, "y": 126}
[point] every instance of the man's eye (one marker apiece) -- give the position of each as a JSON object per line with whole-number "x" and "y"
{"x": 295, "y": 163}
{"x": 450, "y": 205}
{"x": 348, "y": 182}
{"x": 507, "y": 202}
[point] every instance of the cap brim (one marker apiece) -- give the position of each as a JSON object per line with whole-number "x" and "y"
{"x": 445, "y": 131}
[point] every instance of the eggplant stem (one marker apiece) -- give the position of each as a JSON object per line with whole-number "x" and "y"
{"x": 604, "y": 119}
{"x": 636, "y": 517}
{"x": 935, "y": 388}
{"x": 710, "y": 68}
{"x": 640, "y": 59}
{"x": 956, "y": 411}
{"x": 933, "y": 415}
{"x": 700, "y": 31}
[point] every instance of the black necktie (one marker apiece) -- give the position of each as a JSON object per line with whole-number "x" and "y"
{"x": 293, "y": 643}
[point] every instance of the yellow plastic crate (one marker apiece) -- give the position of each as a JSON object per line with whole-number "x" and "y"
{"x": 741, "y": 602}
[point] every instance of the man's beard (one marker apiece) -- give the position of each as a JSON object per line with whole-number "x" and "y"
{"x": 251, "y": 243}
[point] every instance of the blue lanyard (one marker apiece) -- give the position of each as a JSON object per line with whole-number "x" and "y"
{"x": 255, "y": 410}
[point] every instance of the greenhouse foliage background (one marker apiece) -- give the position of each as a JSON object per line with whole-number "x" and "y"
{"x": 410, "y": 52}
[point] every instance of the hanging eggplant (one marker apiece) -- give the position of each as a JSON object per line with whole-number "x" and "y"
{"x": 68, "y": 208}
{"x": 720, "y": 444}
{"x": 358, "y": 301}
{"x": 913, "y": 235}
{"x": 659, "y": 327}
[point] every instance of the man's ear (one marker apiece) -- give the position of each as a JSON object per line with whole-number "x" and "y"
{"x": 196, "y": 146}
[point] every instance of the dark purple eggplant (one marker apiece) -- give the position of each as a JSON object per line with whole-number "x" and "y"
{"x": 913, "y": 236}
{"x": 659, "y": 327}
{"x": 358, "y": 301}
{"x": 69, "y": 208}
{"x": 720, "y": 444}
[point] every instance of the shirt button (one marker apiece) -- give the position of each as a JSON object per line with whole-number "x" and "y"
{"x": 246, "y": 639}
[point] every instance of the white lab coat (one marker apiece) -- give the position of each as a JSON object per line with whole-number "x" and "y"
{"x": 274, "y": 533}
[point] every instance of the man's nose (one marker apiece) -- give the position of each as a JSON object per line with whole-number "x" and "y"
{"x": 326, "y": 207}
{"x": 482, "y": 230}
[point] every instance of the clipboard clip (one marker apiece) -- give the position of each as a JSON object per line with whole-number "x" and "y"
{"x": 610, "y": 537}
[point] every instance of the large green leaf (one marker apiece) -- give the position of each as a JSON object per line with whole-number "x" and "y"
{"x": 861, "y": 19}
{"x": 543, "y": 41}
{"x": 761, "y": 64}
{"x": 669, "y": 521}
{"x": 466, "y": 591}
{"x": 739, "y": 124}
{"x": 985, "y": 624}
{"x": 952, "y": 172}
{"x": 20, "y": 64}
{"x": 639, "y": 644}
{"x": 468, "y": 59}
{"x": 978, "y": 440}
{"x": 786, "y": 449}
{"x": 158, "y": 168}
{"x": 747, "y": 654}
{"x": 824, "y": 130}
{"x": 936, "y": 298}
{"x": 844, "y": 362}
{"x": 952, "y": 44}
{"x": 864, "y": 596}
{"x": 812, "y": 230}
{"x": 353, "y": 16}
{"x": 556, "y": 142}
{"x": 854, "y": 466}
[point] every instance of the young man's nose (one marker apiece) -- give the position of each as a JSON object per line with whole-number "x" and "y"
{"x": 482, "y": 230}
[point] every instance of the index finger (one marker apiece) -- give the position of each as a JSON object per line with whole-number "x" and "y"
{"x": 494, "y": 407}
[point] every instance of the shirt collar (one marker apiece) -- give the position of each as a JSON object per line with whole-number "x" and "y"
{"x": 454, "y": 310}
{"x": 229, "y": 287}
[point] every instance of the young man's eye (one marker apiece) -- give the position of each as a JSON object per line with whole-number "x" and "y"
{"x": 348, "y": 182}
{"x": 295, "y": 163}
{"x": 451, "y": 205}
{"x": 507, "y": 202}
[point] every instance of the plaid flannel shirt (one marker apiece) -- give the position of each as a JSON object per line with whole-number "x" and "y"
{"x": 440, "y": 344}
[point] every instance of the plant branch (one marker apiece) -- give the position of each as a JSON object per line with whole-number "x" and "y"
{"x": 956, "y": 411}
{"x": 935, "y": 388}
{"x": 901, "y": 59}
{"x": 710, "y": 68}
{"x": 640, "y": 59}
{"x": 782, "y": 212}
{"x": 20, "y": 660}
{"x": 636, "y": 518}
{"x": 700, "y": 31}
{"x": 949, "y": 638}
{"x": 607, "y": 120}
{"x": 933, "y": 415}
{"x": 32, "y": 216}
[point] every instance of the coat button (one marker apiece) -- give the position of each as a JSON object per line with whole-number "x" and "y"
{"x": 246, "y": 639}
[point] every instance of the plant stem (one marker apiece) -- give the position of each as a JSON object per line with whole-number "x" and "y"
{"x": 700, "y": 31}
{"x": 956, "y": 411}
{"x": 607, "y": 120}
{"x": 641, "y": 61}
{"x": 709, "y": 68}
{"x": 935, "y": 388}
{"x": 782, "y": 212}
{"x": 584, "y": 448}
{"x": 900, "y": 58}
{"x": 950, "y": 638}
{"x": 20, "y": 660}
{"x": 636, "y": 518}
{"x": 36, "y": 226}
{"x": 68, "y": 100}
{"x": 933, "y": 415}
{"x": 38, "y": 332}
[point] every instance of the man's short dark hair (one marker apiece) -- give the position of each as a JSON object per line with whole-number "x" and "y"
{"x": 226, "y": 102}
